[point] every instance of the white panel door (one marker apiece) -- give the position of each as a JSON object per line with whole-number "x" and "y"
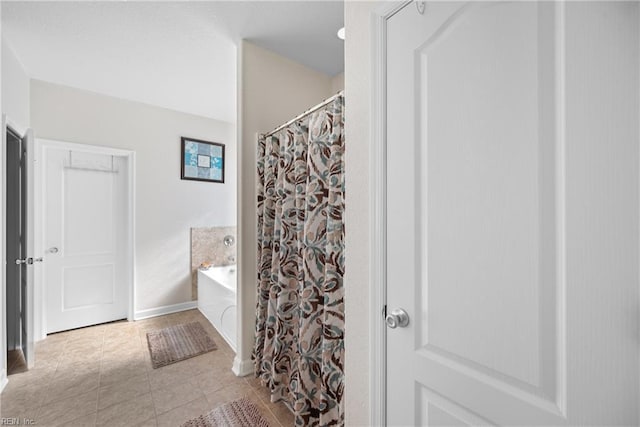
{"x": 34, "y": 260}
{"x": 512, "y": 213}
{"x": 85, "y": 224}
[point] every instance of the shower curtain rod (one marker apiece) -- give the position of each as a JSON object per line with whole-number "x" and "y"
{"x": 306, "y": 113}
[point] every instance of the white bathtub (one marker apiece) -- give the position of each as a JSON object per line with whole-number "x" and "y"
{"x": 217, "y": 300}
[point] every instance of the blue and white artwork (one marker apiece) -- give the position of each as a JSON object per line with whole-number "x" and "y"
{"x": 202, "y": 160}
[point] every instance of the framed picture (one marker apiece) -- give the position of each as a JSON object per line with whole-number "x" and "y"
{"x": 202, "y": 160}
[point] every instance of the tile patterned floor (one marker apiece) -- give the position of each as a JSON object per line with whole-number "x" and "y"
{"x": 102, "y": 376}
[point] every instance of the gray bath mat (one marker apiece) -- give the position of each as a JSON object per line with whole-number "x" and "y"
{"x": 179, "y": 342}
{"x": 239, "y": 413}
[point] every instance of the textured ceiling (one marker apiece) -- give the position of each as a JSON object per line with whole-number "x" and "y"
{"x": 177, "y": 55}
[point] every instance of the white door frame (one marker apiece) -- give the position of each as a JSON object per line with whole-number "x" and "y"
{"x": 378, "y": 177}
{"x": 7, "y": 122}
{"x": 39, "y": 295}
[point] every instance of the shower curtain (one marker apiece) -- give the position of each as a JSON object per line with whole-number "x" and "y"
{"x": 299, "y": 347}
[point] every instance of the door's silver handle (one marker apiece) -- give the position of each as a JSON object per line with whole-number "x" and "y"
{"x": 53, "y": 250}
{"x": 397, "y": 317}
{"x": 22, "y": 261}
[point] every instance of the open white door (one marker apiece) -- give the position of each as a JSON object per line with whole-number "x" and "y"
{"x": 512, "y": 213}
{"x": 88, "y": 234}
{"x": 34, "y": 259}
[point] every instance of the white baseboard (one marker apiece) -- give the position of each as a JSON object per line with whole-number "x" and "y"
{"x": 167, "y": 309}
{"x": 242, "y": 368}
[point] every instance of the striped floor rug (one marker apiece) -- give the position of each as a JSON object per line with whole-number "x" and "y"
{"x": 179, "y": 342}
{"x": 239, "y": 413}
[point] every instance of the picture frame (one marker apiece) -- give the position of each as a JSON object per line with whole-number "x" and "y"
{"x": 201, "y": 160}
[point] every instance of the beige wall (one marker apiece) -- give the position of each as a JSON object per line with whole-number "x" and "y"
{"x": 337, "y": 83}
{"x": 272, "y": 90}
{"x": 15, "y": 88}
{"x": 166, "y": 206}
{"x": 358, "y": 82}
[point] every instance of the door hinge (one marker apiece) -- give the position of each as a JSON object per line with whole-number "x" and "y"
{"x": 384, "y": 311}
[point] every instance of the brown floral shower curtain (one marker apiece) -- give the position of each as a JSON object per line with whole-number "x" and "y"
{"x": 299, "y": 348}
